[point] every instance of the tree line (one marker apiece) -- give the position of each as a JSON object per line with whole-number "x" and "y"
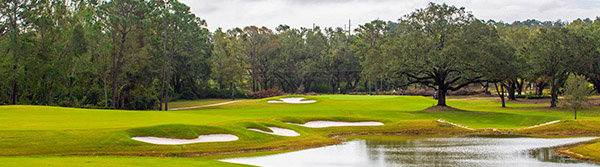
{"x": 136, "y": 54}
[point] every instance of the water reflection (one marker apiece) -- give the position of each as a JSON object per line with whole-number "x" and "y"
{"x": 549, "y": 155}
{"x": 467, "y": 151}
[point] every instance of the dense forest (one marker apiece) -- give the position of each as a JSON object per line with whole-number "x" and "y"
{"x": 136, "y": 54}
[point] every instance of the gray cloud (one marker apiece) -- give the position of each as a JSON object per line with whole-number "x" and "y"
{"x": 336, "y": 13}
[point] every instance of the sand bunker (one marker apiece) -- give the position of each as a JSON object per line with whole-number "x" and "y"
{"x": 200, "y": 139}
{"x": 292, "y": 100}
{"x": 278, "y": 131}
{"x": 324, "y": 124}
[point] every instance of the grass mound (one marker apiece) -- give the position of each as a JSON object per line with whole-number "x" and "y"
{"x": 179, "y": 131}
{"x": 256, "y": 125}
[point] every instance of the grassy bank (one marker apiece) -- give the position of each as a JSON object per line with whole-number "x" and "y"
{"x": 72, "y": 136}
{"x": 103, "y": 161}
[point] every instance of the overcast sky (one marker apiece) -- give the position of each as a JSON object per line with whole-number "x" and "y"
{"x": 336, "y": 13}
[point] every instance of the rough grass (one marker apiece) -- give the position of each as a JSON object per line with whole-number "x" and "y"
{"x": 56, "y": 131}
{"x": 589, "y": 152}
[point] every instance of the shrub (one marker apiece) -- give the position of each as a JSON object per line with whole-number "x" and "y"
{"x": 577, "y": 93}
{"x": 226, "y": 93}
{"x": 320, "y": 88}
{"x": 537, "y": 96}
{"x": 144, "y": 102}
{"x": 419, "y": 91}
{"x": 467, "y": 91}
{"x": 188, "y": 94}
{"x": 219, "y": 93}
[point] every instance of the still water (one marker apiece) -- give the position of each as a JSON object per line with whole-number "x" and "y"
{"x": 455, "y": 151}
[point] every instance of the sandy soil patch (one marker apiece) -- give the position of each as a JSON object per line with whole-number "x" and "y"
{"x": 208, "y": 105}
{"x": 544, "y": 124}
{"x": 454, "y": 124}
{"x": 278, "y": 131}
{"x": 200, "y": 139}
{"x": 292, "y": 100}
{"x": 324, "y": 124}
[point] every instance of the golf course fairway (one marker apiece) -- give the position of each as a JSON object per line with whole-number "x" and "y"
{"x": 57, "y": 136}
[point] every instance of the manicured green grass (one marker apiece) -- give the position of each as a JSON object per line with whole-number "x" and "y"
{"x": 56, "y": 131}
{"x": 107, "y": 161}
{"x": 193, "y": 103}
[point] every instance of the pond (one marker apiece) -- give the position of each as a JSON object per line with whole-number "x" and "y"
{"x": 452, "y": 151}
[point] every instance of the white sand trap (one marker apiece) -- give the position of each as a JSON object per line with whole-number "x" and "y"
{"x": 278, "y": 131}
{"x": 292, "y": 100}
{"x": 324, "y": 124}
{"x": 200, "y": 139}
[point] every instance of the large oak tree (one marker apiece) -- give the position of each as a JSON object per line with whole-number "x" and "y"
{"x": 441, "y": 47}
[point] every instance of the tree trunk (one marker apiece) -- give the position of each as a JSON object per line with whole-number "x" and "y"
{"x": 105, "y": 90}
{"x": 554, "y": 97}
{"x": 50, "y": 93}
{"x": 15, "y": 86}
{"x": 115, "y": 69}
{"x": 232, "y": 91}
{"x": 486, "y": 87}
{"x": 383, "y": 85}
{"x": 162, "y": 87}
{"x": 367, "y": 87}
{"x": 115, "y": 76}
{"x": 331, "y": 85}
{"x": 339, "y": 90}
{"x": 71, "y": 86}
{"x": 540, "y": 88}
{"x": 596, "y": 84}
{"x": 575, "y": 111}
{"x": 376, "y": 88}
{"x": 169, "y": 74}
{"x": 511, "y": 90}
{"x": 554, "y": 93}
{"x": 253, "y": 81}
{"x": 15, "y": 29}
{"x": 500, "y": 94}
{"x": 520, "y": 86}
{"x": 442, "y": 96}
